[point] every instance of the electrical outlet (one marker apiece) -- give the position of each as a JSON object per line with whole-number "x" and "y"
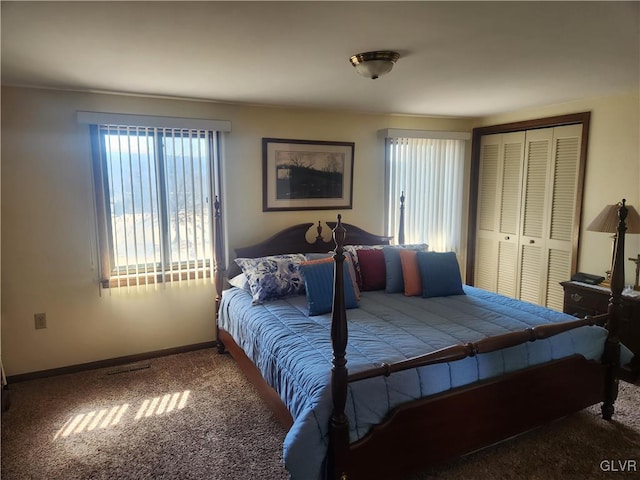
{"x": 41, "y": 320}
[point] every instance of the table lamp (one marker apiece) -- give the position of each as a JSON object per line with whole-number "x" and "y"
{"x": 607, "y": 222}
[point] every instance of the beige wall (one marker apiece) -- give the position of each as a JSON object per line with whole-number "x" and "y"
{"x": 244, "y": 157}
{"x": 48, "y": 243}
{"x": 612, "y": 170}
{"x": 48, "y": 246}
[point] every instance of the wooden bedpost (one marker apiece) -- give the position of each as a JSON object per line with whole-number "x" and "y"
{"x": 218, "y": 268}
{"x": 339, "y": 426}
{"x": 611, "y": 356}
{"x": 401, "y": 227}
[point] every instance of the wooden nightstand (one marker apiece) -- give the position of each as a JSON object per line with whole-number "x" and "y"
{"x": 581, "y": 299}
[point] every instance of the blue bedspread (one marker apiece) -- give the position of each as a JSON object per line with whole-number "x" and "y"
{"x": 293, "y": 352}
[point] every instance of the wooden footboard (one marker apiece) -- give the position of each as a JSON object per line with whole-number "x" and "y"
{"x": 433, "y": 430}
{"x": 436, "y": 429}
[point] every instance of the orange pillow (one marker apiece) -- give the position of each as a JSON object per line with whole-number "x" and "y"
{"x": 410, "y": 273}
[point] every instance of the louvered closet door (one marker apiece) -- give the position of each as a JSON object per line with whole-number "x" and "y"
{"x": 531, "y": 271}
{"x": 527, "y": 203}
{"x": 565, "y": 166}
{"x": 552, "y": 159}
{"x": 499, "y": 212}
{"x": 486, "y": 245}
{"x": 509, "y": 214}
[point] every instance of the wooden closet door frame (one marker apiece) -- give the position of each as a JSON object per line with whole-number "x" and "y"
{"x": 583, "y": 119}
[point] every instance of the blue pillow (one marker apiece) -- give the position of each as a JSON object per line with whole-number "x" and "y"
{"x": 440, "y": 274}
{"x": 318, "y": 281}
{"x": 348, "y": 263}
{"x": 395, "y": 279}
{"x": 395, "y": 282}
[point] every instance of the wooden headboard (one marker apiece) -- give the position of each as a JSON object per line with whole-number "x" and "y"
{"x": 293, "y": 240}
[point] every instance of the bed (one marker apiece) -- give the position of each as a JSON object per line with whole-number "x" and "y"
{"x": 407, "y": 382}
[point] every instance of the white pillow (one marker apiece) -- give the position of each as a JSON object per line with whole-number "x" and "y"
{"x": 240, "y": 281}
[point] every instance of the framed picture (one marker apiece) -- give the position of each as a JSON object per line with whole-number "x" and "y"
{"x": 306, "y": 175}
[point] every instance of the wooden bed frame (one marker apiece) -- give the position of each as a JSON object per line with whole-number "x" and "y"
{"x": 441, "y": 427}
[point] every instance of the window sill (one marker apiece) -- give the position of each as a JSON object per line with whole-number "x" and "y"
{"x": 154, "y": 278}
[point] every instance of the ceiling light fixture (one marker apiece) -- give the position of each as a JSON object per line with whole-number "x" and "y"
{"x": 374, "y": 64}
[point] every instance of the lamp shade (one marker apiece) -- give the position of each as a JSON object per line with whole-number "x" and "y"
{"x": 607, "y": 221}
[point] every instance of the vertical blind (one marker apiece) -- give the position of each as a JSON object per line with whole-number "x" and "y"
{"x": 430, "y": 173}
{"x": 154, "y": 191}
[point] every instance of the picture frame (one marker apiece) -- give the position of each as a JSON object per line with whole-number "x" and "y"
{"x": 306, "y": 175}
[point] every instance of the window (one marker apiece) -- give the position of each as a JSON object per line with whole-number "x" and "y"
{"x": 430, "y": 173}
{"x": 154, "y": 191}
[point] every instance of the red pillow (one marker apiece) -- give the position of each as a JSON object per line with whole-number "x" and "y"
{"x": 372, "y": 269}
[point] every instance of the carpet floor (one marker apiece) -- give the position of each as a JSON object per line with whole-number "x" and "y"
{"x": 195, "y": 416}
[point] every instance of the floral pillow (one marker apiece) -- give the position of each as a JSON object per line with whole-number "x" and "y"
{"x": 273, "y": 277}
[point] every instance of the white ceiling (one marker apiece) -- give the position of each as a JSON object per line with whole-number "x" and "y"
{"x": 457, "y": 58}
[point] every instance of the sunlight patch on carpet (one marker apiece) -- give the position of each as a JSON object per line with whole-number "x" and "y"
{"x": 92, "y": 420}
{"x": 161, "y": 405}
{"x": 109, "y": 417}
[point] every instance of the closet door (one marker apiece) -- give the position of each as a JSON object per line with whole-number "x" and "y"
{"x": 486, "y": 246}
{"x": 531, "y": 269}
{"x": 499, "y": 212}
{"x": 550, "y": 188}
{"x": 529, "y": 174}
{"x": 562, "y": 200}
